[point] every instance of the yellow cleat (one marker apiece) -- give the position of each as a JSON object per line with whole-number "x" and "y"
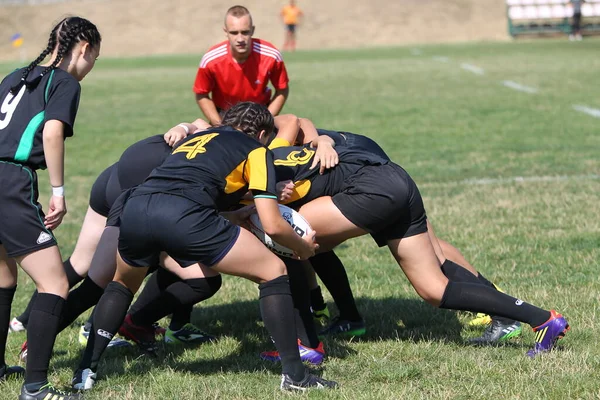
{"x": 321, "y": 317}
{"x": 480, "y": 320}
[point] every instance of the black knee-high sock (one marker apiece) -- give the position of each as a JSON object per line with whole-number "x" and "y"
{"x": 181, "y": 315}
{"x": 277, "y": 310}
{"x": 73, "y": 277}
{"x": 152, "y": 289}
{"x": 456, "y": 273}
{"x": 332, "y": 273}
{"x": 43, "y": 324}
{"x": 108, "y": 317}
{"x": 204, "y": 288}
{"x": 306, "y": 331}
{"x": 180, "y": 293}
{"x": 479, "y": 298}
{"x": 317, "y": 302}
{"x": 485, "y": 281}
{"x": 6, "y": 298}
{"x": 79, "y": 301}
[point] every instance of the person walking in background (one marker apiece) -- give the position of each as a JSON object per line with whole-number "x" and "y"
{"x": 576, "y": 24}
{"x": 291, "y": 15}
{"x": 239, "y": 69}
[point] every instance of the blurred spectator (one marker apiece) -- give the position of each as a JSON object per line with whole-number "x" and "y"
{"x": 239, "y": 69}
{"x": 576, "y": 24}
{"x": 291, "y": 15}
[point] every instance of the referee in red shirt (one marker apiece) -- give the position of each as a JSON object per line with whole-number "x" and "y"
{"x": 239, "y": 69}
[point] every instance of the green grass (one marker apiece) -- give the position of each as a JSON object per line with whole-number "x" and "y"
{"x": 540, "y": 240}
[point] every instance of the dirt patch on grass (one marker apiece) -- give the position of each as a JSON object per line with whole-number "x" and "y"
{"x": 141, "y": 27}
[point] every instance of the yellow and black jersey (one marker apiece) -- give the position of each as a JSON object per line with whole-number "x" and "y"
{"x": 215, "y": 167}
{"x": 294, "y": 162}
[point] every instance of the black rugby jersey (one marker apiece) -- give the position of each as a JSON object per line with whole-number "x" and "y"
{"x": 23, "y": 115}
{"x": 216, "y": 166}
{"x": 354, "y": 140}
{"x": 139, "y": 159}
{"x": 293, "y": 163}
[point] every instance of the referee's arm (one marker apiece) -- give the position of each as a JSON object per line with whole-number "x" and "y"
{"x": 207, "y": 106}
{"x": 278, "y": 100}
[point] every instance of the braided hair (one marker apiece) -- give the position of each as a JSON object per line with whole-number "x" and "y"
{"x": 250, "y": 118}
{"x": 65, "y": 35}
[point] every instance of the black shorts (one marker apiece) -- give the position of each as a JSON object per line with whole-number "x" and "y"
{"x": 384, "y": 201}
{"x": 105, "y": 191}
{"x": 185, "y": 230}
{"x": 291, "y": 28}
{"x": 114, "y": 215}
{"x": 22, "y": 229}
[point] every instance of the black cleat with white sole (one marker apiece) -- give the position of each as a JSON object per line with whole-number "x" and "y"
{"x": 310, "y": 381}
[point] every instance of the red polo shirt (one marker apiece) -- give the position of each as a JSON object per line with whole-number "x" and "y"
{"x": 230, "y": 82}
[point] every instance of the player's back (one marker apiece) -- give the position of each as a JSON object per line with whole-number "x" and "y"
{"x": 207, "y": 167}
{"x": 139, "y": 159}
{"x": 354, "y": 140}
{"x": 22, "y": 114}
{"x": 294, "y": 162}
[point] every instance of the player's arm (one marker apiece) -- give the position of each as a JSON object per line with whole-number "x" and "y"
{"x": 54, "y": 153}
{"x": 288, "y": 126}
{"x": 275, "y": 226}
{"x": 208, "y": 108}
{"x": 182, "y": 130}
{"x": 260, "y": 174}
{"x": 201, "y": 125}
{"x": 178, "y": 132}
{"x": 308, "y": 131}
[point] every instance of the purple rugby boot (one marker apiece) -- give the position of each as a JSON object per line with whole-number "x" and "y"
{"x": 548, "y": 333}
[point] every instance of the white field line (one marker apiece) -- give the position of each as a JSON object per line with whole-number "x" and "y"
{"x": 519, "y": 87}
{"x": 515, "y": 179}
{"x": 594, "y": 112}
{"x": 472, "y": 68}
{"x": 440, "y": 59}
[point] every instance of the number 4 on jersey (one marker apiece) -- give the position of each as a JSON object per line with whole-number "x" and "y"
{"x": 195, "y": 146}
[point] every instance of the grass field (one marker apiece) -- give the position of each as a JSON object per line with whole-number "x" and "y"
{"x": 464, "y": 138}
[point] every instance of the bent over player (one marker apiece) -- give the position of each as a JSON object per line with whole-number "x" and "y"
{"x": 176, "y": 210}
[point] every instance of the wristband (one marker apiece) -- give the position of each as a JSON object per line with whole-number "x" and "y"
{"x": 58, "y": 191}
{"x": 185, "y": 128}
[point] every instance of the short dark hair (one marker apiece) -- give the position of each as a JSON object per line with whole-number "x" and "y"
{"x": 250, "y": 118}
{"x": 238, "y": 12}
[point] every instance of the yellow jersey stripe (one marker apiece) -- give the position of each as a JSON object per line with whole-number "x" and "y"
{"x": 255, "y": 170}
{"x": 301, "y": 189}
{"x": 279, "y": 142}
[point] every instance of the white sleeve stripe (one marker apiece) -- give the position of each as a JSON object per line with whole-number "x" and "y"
{"x": 216, "y": 49}
{"x": 206, "y": 61}
{"x": 213, "y": 52}
{"x": 268, "y": 49}
{"x": 269, "y": 52}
